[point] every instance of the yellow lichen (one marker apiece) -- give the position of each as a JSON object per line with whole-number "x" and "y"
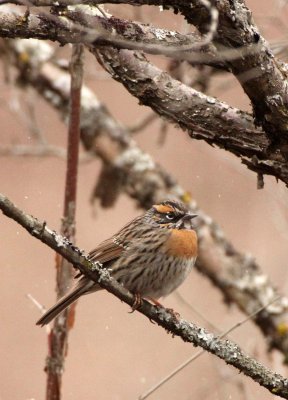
{"x": 282, "y": 329}
{"x": 186, "y": 197}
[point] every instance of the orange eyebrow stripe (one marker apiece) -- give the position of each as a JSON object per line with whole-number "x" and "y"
{"x": 182, "y": 243}
{"x": 161, "y": 208}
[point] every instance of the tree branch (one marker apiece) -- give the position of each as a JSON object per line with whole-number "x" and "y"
{"x": 189, "y": 332}
{"x": 226, "y": 127}
{"x": 204, "y": 117}
{"x": 237, "y": 275}
{"x": 262, "y": 77}
{"x": 97, "y": 30}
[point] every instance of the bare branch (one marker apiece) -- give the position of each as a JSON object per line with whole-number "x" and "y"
{"x": 251, "y": 60}
{"x": 204, "y": 117}
{"x": 94, "y": 29}
{"x": 262, "y": 77}
{"x": 189, "y": 332}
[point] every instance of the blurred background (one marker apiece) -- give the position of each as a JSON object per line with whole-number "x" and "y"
{"x": 113, "y": 354}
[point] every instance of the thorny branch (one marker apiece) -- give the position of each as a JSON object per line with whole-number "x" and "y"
{"x": 189, "y": 332}
{"x": 129, "y": 169}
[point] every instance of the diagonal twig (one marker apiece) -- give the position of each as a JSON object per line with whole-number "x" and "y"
{"x": 201, "y": 352}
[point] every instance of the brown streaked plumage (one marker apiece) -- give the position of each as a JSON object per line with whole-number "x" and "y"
{"x": 151, "y": 256}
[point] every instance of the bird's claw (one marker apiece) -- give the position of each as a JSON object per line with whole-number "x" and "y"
{"x": 138, "y": 301}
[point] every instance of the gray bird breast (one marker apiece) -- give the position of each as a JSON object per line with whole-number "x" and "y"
{"x": 153, "y": 275}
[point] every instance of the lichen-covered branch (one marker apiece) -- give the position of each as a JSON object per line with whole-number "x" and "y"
{"x": 189, "y": 332}
{"x": 129, "y": 169}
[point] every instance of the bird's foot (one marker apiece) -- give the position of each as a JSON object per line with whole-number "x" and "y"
{"x": 138, "y": 301}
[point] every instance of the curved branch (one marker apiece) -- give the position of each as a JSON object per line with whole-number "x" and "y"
{"x": 97, "y": 30}
{"x": 189, "y": 332}
{"x": 261, "y": 76}
{"x": 204, "y": 117}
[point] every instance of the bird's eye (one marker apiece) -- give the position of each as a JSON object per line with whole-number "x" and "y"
{"x": 170, "y": 216}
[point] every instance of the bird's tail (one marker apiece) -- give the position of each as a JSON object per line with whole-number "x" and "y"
{"x": 83, "y": 286}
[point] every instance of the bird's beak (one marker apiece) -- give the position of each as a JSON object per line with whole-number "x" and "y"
{"x": 188, "y": 217}
{"x": 185, "y": 221}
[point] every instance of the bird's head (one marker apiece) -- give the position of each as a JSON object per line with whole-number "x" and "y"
{"x": 172, "y": 214}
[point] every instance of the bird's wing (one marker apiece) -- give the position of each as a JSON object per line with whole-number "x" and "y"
{"x": 106, "y": 251}
{"x": 112, "y": 248}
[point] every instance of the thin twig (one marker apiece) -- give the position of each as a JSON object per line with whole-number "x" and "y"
{"x": 191, "y": 307}
{"x": 199, "y": 353}
{"x": 41, "y": 308}
{"x": 214, "y": 17}
{"x": 143, "y": 123}
{"x": 47, "y": 150}
{"x": 36, "y": 303}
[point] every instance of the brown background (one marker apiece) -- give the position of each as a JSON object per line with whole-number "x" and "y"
{"x": 113, "y": 354}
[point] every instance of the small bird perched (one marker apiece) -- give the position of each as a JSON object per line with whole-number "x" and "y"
{"x": 151, "y": 256}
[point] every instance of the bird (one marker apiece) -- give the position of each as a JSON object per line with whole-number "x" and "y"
{"x": 150, "y": 256}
